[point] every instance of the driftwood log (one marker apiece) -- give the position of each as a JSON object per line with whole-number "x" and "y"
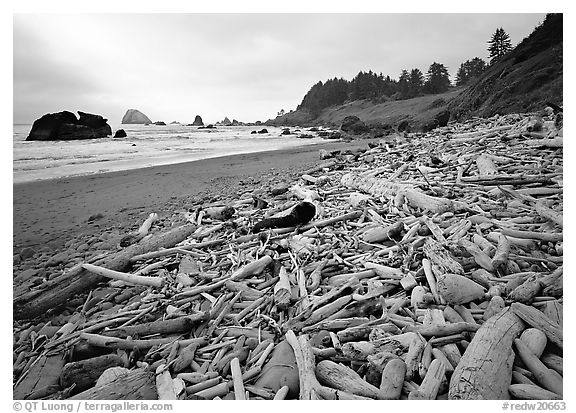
{"x": 485, "y": 370}
{"x": 137, "y": 385}
{"x": 85, "y": 373}
{"x": 57, "y": 291}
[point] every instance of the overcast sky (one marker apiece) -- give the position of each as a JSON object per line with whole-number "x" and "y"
{"x": 244, "y": 66}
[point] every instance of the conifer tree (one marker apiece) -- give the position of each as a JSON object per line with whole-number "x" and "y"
{"x": 437, "y": 79}
{"x": 499, "y": 44}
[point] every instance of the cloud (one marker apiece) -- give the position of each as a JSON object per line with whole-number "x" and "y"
{"x": 173, "y": 66}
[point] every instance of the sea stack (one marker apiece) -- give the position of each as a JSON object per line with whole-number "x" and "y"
{"x": 198, "y": 121}
{"x": 135, "y": 117}
{"x": 65, "y": 126}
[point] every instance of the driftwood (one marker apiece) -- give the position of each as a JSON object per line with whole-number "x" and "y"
{"x": 136, "y": 385}
{"x": 392, "y": 379}
{"x": 172, "y": 326}
{"x": 343, "y": 378}
{"x": 430, "y": 386}
{"x": 548, "y": 378}
{"x": 44, "y": 373}
{"x": 388, "y": 294}
{"x": 485, "y": 371}
{"x": 60, "y": 289}
{"x": 280, "y": 371}
{"x": 85, "y": 373}
{"x": 537, "y": 319}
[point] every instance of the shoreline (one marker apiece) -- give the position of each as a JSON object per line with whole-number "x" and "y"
{"x": 48, "y": 213}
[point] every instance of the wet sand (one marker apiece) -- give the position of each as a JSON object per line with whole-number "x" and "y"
{"x": 48, "y": 213}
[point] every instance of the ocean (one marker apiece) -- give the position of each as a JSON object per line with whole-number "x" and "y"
{"x": 144, "y": 146}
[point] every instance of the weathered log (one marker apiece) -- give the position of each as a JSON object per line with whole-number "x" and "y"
{"x": 553, "y": 362}
{"x": 165, "y": 386}
{"x": 343, "y": 378}
{"x": 532, "y": 392}
{"x": 392, "y": 379}
{"x": 538, "y": 320}
{"x": 239, "y": 392}
{"x": 185, "y": 357}
{"x": 170, "y": 326}
{"x": 428, "y": 390}
{"x": 414, "y": 356}
{"x": 485, "y": 370}
{"x": 500, "y": 257}
{"x": 389, "y": 189}
{"x": 379, "y": 234}
{"x": 281, "y": 370}
{"x": 136, "y": 385}
{"x": 548, "y": 378}
{"x": 60, "y": 289}
{"x": 526, "y": 291}
{"x": 481, "y": 258}
{"x": 157, "y": 282}
{"x": 485, "y": 165}
{"x": 253, "y": 268}
{"x": 43, "y": 373}
{"x": 440, "y": 259}
{"x": 305, "y": 361}
{"x": 85, "y": 373}
{"x": 457, "y": 289}
{"x": 541, "y": 236}
{"x": 282, "y": 290}
{"x": 126, "y": 344}
{"x": 447, "y": 329}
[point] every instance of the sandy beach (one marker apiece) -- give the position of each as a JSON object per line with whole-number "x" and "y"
{"x": 49, "y": 213}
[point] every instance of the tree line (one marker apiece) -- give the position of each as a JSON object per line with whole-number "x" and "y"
{"x": 373, "y": 86}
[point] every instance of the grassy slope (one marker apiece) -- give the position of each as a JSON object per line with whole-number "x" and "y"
{"x": 417, "y": 111}
{"x": 523, "y": 81}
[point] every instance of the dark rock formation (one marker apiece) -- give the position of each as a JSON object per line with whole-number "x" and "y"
{"x": 404, "y": 126}
{"x": 263, "y": 130}
{"x": 253, "y": 132}
{"x": 65, "y": 126}
{"x": 198, "y": 121}
{"x": 210, "y": 126}
{"x": 133, "y": 116}
{"x": 160, "y": 123}
{"x": 286, "y": 131}
{"x": 353, "y": 125}
{"x": 226, "y": 122}
{"x": 443, "y": 118}
{"x": 440, "y": 120}
{"x": 120, "y": 133}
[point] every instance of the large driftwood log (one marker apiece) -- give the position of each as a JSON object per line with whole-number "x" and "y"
{"x": 485, "y": 165}
{"x": 389, "y": 189}
{"x": 539, "y": 320}
{"x": 136, "y": 385}
{"x": 85, "y": 373}
{"x": 77, "y": 280}
{"x": 280, "y": 371}
{"x": 44, "y": 373}
{"x": 485, "y": 370}
{"x": 440, "y": 259}
{"x": 171, "y": 326}
{"x": 343, "y": 378}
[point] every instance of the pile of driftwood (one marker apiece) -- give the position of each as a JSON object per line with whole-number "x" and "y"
{"x": 427, "y": 267}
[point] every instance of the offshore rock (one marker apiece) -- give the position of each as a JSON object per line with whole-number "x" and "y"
{"x": 133, "y": 116}
{"x": 65, "y": 126}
